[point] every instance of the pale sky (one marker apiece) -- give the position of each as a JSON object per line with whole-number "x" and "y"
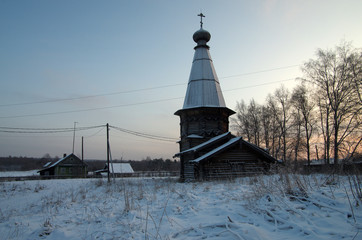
{"x": 134, "y": 59}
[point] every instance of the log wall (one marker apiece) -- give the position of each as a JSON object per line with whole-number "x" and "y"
{"x": 231, "y": 164}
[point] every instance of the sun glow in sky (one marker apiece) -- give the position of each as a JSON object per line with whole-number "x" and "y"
{"x": 127, "y": 63}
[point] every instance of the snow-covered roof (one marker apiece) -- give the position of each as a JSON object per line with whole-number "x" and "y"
{"x": 215, "y": 150}
{"x": 261, "y": 151}
{"x": 56, "y": 162}
{"x": 121, "y": 168}
{"x": 203, "y": 89}
{"x": 204, "y": 144}
{"x": 194, "y": 136}
{"x": 231, "y": 142}
{"x": 47, "y": 164}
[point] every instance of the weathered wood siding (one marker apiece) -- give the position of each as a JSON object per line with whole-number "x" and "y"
{"x": 189, "y": 173}
{"x": 71, "y": 167}
{"x": 233, "y": 163}
{"x": 206, "y": 122}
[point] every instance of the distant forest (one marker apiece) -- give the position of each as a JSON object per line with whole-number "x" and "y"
{"x": 27, "y": 163}
{"x": 321, "y": 118}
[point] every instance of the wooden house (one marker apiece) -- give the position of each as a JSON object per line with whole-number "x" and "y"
{"x": 68, "y": 166}
{"x": 207, "y": 149}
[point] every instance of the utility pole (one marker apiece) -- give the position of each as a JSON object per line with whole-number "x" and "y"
{"x": 85, "y": 172}
{"x": 82, "y": 150}
{"x": 108, "y": 153}
{"x": 74, "y": 137}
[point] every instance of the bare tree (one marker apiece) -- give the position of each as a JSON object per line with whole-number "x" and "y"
{"x": 275, "y": 129}
{"x": 354, "y": 59}
{"x": 295, "y": 134}
{"x": 325, "y": 125}
{"x": 282, "y": 98}
{"x": 247, "y": 122}
{"x": 241, "y": 123}
{"x": 254, "y": 116}
{"x": 266, "y": 121}
{"x": 332, "y": 73}
{"x": 301, "y": 101}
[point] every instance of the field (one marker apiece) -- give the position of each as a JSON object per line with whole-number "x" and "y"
{"x": 281, "y": 206}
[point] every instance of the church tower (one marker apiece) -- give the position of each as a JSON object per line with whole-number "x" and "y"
{"x": 204, "y": 114}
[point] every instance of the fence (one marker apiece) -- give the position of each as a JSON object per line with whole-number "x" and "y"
{"x": 135, "y": 174}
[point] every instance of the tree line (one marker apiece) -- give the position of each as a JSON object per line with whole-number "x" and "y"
{"x": 320, "y": 118}
{"x": 12, "y": 163}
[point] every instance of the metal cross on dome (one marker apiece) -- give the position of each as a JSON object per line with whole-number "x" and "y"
{"x": 201, "y": 16}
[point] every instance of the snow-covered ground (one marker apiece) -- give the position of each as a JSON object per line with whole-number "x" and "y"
{"x": 19, "y": 173}
{"x": 268, "y": 207}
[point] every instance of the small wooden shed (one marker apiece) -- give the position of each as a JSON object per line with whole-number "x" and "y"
{"x": 117, "y": 170}
{"x": 68, "y": 166}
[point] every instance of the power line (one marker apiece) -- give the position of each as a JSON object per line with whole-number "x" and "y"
{"x": 90, "y": 96}
{"x": 16, "y": 130}
{"x": 136, "y": 90}
{"x": 100, "y": 130}
{"x": 258, "y": 85}
{"x": 261, "y": 71}
{"x": 145, "y": 135}
{"x": 130, "y": 104}
{"x": 91, "y": 109}
{"x": 44, "y": 130}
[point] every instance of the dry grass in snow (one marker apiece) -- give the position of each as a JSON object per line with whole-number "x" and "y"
{"x": 283, "y": 206}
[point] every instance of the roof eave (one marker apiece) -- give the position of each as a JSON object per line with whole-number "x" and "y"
{"x": 260, "y": 151}
{"x": 220, "y": 150}
{"x": 205, "y": 144}
{"x": 179, "y": 112}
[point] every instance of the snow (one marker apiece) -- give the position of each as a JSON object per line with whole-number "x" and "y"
{"x": 121, "y": 168}
{"x": 230, "y": 142}
{"x": 195, "y": 136}
{"x": 47, "y": 164}
{"x": 19, "y": 173}
{"x": 204, "y": 144}
{"x": 56, "y": 162}
{"x": 266, "y": 207}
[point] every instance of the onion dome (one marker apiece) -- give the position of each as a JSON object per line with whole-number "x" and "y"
{"x": 201, "y": 36}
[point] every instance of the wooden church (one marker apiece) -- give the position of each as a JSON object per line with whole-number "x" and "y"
{"x": 207, "y": 149}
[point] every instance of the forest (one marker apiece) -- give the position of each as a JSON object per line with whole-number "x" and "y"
{"x": 11, "y": 163}
{"x": 319, "y": 119}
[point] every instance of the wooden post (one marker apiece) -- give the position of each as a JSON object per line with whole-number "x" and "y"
{"x": 82, "y": 151}
{"x": 108, "y": 153}
{"x": 84, "y": 168}
{"x": 74, "y": 137}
